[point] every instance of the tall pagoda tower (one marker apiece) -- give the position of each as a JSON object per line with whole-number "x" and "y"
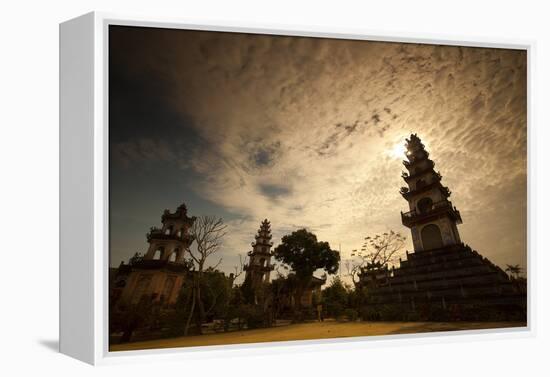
{"x": 259, "y": 266}
{"x": 431, "y": 217}
{"x": 443, "y": 279}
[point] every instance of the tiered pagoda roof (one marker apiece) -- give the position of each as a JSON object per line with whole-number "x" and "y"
{"x": 263, "y": 238}
{"x": 421, "y": 172}
{"x": 259, "y": 265}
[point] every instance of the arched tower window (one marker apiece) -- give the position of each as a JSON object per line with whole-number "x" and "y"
{"x": 431, "y": 237}
{"x": 425, "y": 205}
{"x": 169, "y": 230}
{"x": 172, "y": 257}
{"x": 158, "y": 253}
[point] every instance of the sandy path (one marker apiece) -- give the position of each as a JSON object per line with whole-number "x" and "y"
{"x": 308, "y": 331}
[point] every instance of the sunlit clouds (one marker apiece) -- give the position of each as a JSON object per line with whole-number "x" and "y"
{"x": 309, "y": 133}
{"x": 397, "y": 151}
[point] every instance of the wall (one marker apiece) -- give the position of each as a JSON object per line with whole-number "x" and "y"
{"x": 156, "y": 285}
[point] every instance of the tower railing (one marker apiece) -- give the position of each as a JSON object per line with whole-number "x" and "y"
{"x": 157, "y": 233}
{"x": 258, "y": 267}
{"x": 270, "y": 243}
{"x": 409, "y": 218}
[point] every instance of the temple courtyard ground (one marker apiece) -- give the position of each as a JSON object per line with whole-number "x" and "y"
{"x": 308, "y": 331}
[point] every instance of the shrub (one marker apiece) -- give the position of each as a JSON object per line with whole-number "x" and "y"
{"x": 391, "y": 313}
{"x": 335, "y": 298}
{"x": 335, "y": 309}
{"x": 252, "y": 316}
{"x": 369, "y": 314}
{"x": 351, "y": 314}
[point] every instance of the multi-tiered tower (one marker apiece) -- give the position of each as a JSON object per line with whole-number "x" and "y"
{"x": 259, "y": 266}
{"x": 159, "y": 274}
{"x": 432, "y": 218}
{"x": 442, "y": 278}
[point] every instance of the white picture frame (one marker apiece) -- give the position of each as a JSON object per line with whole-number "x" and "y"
{"x": 84, "y": 180}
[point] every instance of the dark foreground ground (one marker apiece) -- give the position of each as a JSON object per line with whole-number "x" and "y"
{"x": 310, "y": 331}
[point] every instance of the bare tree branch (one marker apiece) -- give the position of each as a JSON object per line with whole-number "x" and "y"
{"x": 208, "y": 233}
{"x": 377, "y": 252}
{"x": 240, "y": 268}
{"x": 217, "y": 264}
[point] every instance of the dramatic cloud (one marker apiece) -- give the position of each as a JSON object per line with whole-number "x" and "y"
{"x": 307, "y": 132}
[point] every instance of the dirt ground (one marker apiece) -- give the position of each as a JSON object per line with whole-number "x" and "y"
{"x": 309, "y": 331}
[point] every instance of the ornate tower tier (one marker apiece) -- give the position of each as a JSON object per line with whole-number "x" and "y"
{"x": 259, "y": 267}
{"x": 172, "y": 240}
{"x": 431, "y": 217}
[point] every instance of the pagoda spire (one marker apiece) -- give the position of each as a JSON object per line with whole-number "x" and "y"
{"x": 431, "y": 217}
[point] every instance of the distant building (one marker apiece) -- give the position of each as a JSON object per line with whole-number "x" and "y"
{"x": 285, "y": 290}
{"x": 312, "y": 292}
{"x": 442, "y": 272}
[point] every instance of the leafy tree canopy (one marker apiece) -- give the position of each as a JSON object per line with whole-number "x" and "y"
{"x": 304, "y": 254}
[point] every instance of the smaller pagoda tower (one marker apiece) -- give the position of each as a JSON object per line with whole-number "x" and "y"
{"x": 159, "y": 274}
{"x": 432, "y": 218}
{"x": 259, "y": 266}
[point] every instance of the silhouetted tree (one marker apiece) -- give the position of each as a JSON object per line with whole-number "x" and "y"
{"x": 336, "y": 298}
{"x": 304, "y": 254}
{"x": 377, "y": 252}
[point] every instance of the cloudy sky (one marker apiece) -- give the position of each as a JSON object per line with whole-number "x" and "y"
{"x": 308, "y": 132}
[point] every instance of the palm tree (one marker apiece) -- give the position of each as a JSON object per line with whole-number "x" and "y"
{"x": 514, "y": 270}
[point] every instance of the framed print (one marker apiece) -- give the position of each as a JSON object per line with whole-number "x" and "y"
{"x": 248, "y": 188}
